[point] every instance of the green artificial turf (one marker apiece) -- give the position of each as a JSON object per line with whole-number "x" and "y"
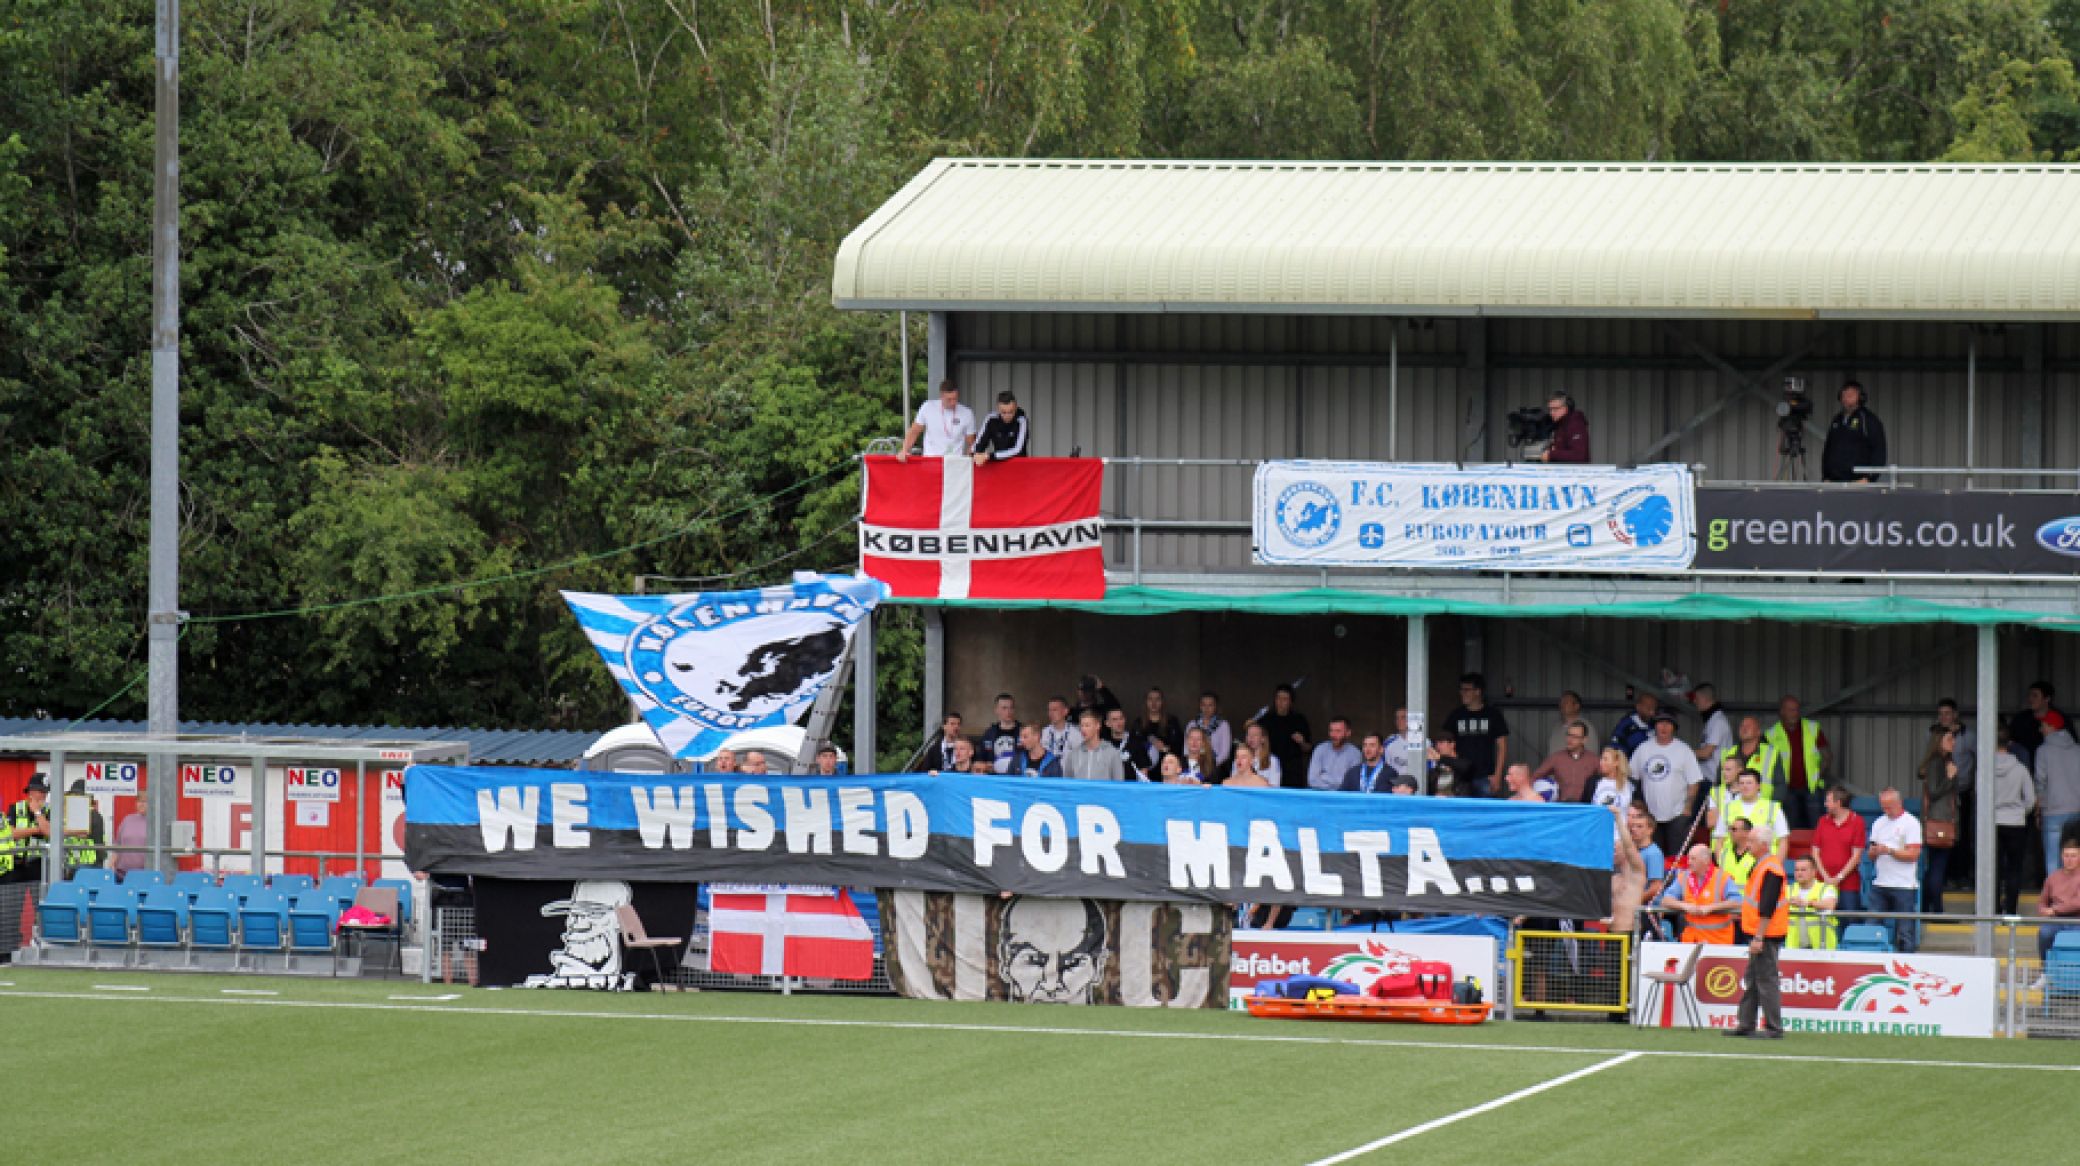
{"x": 346, "y": 1072}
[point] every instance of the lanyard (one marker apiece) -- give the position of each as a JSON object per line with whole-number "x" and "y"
{"x": 1367, "y": 778}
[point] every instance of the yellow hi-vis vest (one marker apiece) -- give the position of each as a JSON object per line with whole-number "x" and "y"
{"x": 1762, "y": 813}
{"x": 1765, "y": 762}
{"x": 1776, "y": 738}
{"x": 1809, "y": 929}
{"x": 1737, "y": 866}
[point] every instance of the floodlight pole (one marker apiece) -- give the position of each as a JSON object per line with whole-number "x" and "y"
{"x": 163, "y": 581}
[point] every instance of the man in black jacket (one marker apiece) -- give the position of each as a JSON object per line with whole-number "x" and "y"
{"x": 1005, "y": 435}
{"x": 1854, "y": 438}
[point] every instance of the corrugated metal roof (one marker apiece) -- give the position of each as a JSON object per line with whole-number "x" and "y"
{"x": 486, "y": 746}
{"x": 1978, "y": 242}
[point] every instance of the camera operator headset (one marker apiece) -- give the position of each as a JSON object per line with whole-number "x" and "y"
{"x": 1570, "y": 432}
{"x": 1854, "y": 438}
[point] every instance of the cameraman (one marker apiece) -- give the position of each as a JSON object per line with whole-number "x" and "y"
{"x": 1570, "y": 443}
{"x": 1854, "y": 438}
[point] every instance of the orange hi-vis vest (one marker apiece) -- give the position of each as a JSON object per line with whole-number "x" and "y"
{"x": 1697, "y": 929}
{"x": 1751, "y": 903}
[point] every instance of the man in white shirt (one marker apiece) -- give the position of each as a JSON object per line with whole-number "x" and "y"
{"x": 1895, "y": 849}
{"x": 1218, "y": 733}
{"x": 1395, "y": 748}
{"x": 946, "y": 425}
{"x": 1718, "y": 732}
{"x": 1332, "y": 758}
{"x": 1666, "y": 771}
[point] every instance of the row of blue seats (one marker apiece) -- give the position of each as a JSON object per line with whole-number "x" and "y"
{"x": 192, "y": 883}
{"x": 214, "y": 920}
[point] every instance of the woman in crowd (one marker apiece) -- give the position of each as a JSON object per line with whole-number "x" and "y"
{"x": 1199, "y": 760}
{"x": 1259, "y": 743}
{"x": 1245, "y": 773}
{"x": 1614, "y": 787}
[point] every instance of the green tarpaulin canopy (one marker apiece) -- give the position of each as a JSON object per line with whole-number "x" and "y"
{"x": 1331, "y": 600}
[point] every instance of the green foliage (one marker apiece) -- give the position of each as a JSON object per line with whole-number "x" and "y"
{"x": 474, "y": 294}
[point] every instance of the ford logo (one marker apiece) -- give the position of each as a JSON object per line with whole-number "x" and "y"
{"x": 2060, "y": 536}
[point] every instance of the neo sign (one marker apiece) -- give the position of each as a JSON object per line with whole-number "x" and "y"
{"x": 311, "y": 785}
{"x": 113, "y": 778}
{"x": 213, "y": 781}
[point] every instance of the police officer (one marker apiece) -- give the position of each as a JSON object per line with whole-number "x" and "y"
{"x": 27, "y": 825}
{"x": 84, "y": 840}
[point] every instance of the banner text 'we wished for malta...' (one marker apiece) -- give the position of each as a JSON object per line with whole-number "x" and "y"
{"x": 1029, "y": 836}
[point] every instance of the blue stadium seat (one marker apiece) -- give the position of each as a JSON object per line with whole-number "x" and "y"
{"x": 1308, "y": 919}
{"x": 162, "y": 918}
{"x": 312, "y": 921}
{"x": 404, "y": 890}
{"x": 193, "y": 882}
{"x": 144, "y": 880}
{"x": 110, "y": 916}
{"x": 1865, "y": 937}
{"x": 292, "y": 885}
{"x": 95, "y": 879}
{"x": 263, "y": 922}
{"x": 62, "y": 916}
{"x": 210, "y": 919}
{"x": 341, "y": 886}
{"x": 244, "y": 886}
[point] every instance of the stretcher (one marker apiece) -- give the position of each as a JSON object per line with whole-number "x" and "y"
{"x": 1406, "y": 1010}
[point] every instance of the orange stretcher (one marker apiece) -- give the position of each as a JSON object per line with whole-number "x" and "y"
{"x": 1406, "y": 1010}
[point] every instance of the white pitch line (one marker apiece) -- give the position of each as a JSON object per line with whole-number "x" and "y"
{"x": 121, "y": 988}
{"x": 249, "y": 992}
{"x": 1038, "y": 1030}
{"x": 1475, "y": 1111}
{"x": 449, "y": 996}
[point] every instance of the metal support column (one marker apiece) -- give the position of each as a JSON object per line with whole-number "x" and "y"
{"x": 54, "y": 846}
{"x": 1418, "y": 697}
{"x": 1988, "y": 713}
{"x": 937, "y": 369}
{"x": 259, "y": 839}
{"x": 1971, "y": 406}
{"x": 1394, "y": 392}
{"x": 903, "y": 334}
{"x": 864, "y": 755}
{"x": 361, "y": 822}
{"x": 162, "y": 616}
{"x": 934, "y": 671}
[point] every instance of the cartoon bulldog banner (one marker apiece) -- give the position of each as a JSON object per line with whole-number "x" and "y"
{"x": 1026, "y": 836}
{"x": 1055, "y": 951}
{"x": 1488, "y": 517}
{"x": 703, "y": 666}
{"x": 565, "y": 933}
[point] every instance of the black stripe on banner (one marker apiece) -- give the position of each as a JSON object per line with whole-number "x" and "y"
{"x": 1396, "y": 882}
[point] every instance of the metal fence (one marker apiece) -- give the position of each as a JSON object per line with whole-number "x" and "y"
{"x": 1569, "y": 970}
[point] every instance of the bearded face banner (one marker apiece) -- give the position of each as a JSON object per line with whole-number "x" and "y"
{"x": 1056, "y": 951}
{"x": 565, "y": 934}
{"x": 703, "y": 666}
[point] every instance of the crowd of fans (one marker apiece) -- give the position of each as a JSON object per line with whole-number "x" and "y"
{"x": 1688, "y": 807}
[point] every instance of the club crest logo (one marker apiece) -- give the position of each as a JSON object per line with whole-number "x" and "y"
{"x": 736, "y": 663}
{"x": 1641, "y": 517}
{"x": 1900, "y": 988}
{"x": 1372, "y": 961}
{"x": 1308, "y": 514}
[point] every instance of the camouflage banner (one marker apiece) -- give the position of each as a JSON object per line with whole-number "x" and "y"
{"x": 1056, "y": 951}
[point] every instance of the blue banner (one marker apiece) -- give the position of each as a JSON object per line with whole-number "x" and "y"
{"x": 1033, "y": 836}
{"x": 701, "y": 667}
{"x": 1480, "y": 517}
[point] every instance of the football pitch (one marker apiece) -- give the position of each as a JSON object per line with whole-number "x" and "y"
{"x": 216, "y": 1069}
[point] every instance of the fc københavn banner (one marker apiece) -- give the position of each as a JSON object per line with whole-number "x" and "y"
{"x": 1489, "y": 517}
{"x": 700, "y": 667}
{"x": 1028, "y": 836}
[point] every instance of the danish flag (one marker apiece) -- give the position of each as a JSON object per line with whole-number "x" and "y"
{"x": 1021, "y": 528}
{"x": 796, "y": 932}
